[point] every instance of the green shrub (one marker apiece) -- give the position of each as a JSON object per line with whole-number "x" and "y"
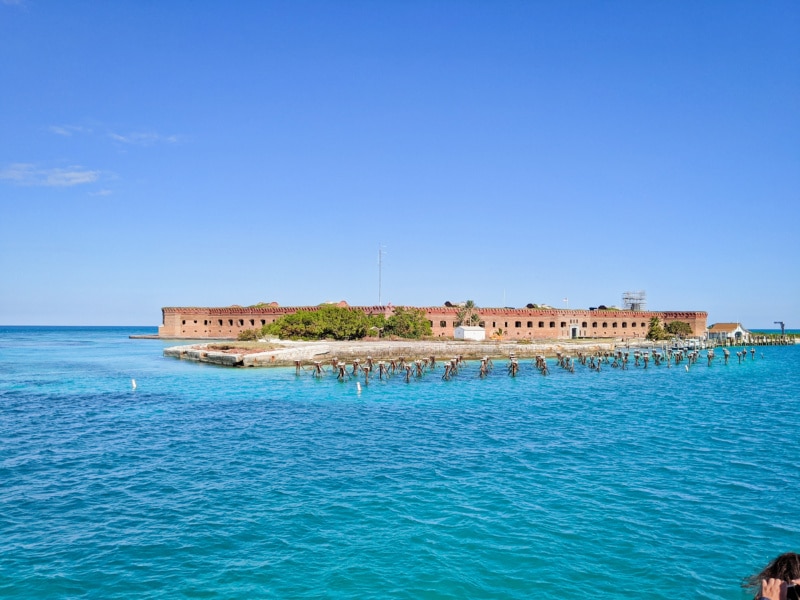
{"x": 248, "y": 335}
{"x": 341, "y": 323}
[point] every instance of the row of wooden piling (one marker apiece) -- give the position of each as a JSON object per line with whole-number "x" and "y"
{"x": 595, "y": 361}
{"x": 764, "y": 340}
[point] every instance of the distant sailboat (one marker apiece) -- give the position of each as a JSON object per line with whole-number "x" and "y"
{"x": 133, "y": 383}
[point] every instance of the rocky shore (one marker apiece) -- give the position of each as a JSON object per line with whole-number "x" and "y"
{"x": 285, "y": 353}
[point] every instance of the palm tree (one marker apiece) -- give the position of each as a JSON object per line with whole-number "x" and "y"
{"x": 468, "y": 314}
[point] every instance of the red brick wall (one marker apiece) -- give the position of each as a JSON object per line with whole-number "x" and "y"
{"x": 541, "y": 324}
{"x": 520, "y": 323}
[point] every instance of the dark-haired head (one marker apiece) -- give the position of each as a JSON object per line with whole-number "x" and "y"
{"x": 785, "y": 567}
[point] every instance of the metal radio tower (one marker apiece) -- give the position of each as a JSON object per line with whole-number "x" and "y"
{"x": 634, "y": 300}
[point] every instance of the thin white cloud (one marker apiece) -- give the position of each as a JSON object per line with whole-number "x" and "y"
{"x": 103, "y": 192}
{"x": 17, "y": 172}
{"x": 68, "y": 130}
{"x": 143, "y": 138}
{"x": 31, "y": 175}
{"x": 13, "y": 2}
{"x": 69, "y": 177}
{"x": 135, "y": 138}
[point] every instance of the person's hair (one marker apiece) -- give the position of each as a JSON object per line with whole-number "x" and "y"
{"x": 785, "y": 567}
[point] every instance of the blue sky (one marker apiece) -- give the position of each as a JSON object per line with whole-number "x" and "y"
{"x": 207, "y": 153}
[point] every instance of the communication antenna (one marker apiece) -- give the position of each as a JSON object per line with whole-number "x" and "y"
{"x": 634, "y": 300}
{"x": 380, "y": 271}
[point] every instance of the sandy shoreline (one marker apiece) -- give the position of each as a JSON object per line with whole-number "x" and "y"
{"x": 285, "y": 353}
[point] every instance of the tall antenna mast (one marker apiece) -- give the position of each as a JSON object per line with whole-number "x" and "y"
{"x": 380, "y": 272}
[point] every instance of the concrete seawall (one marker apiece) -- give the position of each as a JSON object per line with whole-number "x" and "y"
{"x": 308, "y": 352}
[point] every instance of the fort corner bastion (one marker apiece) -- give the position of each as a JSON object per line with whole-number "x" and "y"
{"x": 516, "y": 323}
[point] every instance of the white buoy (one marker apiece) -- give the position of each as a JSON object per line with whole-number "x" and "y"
{"x": 358, "y": 387}
{"x": 687, "y": 368}
{"x": 133, "y": 383}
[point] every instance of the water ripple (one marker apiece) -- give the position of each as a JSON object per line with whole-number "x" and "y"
{"x": 209, "y": 482}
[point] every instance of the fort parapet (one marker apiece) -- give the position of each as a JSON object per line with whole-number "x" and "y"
{"x": 516, "y": 323}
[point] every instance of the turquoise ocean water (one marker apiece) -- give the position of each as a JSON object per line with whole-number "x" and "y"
{"x": 207, "y": 482}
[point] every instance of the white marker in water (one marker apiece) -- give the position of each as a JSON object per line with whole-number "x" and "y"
{"x": 358, "y": 387}
{"x": 133, "y": 383}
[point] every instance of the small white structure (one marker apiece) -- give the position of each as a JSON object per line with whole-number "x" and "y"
{"x": 469, "y": 332}
{"x": 728, "y": 333}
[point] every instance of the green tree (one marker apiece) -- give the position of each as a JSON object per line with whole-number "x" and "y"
{"x": 679, "y": 328}
{"x": 342, "y": 323}
{"x": 376, "y": 325}
{"x": 301, "y": 325}
{"x": 656, "y": 331}
{"x": 408, "y": 323}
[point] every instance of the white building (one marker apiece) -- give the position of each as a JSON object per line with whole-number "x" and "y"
{"x": 468, "y": 332}
{"x": 728, "y": 333}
